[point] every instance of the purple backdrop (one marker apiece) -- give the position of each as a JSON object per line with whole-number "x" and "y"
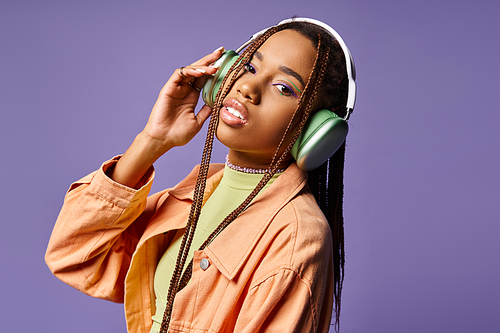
{"x": 78, "y": 79}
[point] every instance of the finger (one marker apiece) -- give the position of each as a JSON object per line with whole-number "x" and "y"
{"x": 203, "y": 114}
{"x": 198, "y": 71}
{"x": 186, "y": 75}
{"x": 210, "y": 58}
{"x": 191, "y": 73}
{"x": 198, "y": 68}
{"x": 199, "y": 83}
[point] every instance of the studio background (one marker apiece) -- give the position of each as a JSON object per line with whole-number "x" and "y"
{"x": 79, "y": 78}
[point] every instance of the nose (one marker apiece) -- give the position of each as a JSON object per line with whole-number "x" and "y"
{"x": 248, "y": 88}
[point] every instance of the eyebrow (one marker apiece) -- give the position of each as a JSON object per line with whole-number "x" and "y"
{"x": 282, "y": 68}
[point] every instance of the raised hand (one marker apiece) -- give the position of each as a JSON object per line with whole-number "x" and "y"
{"x": 172, "y": 121}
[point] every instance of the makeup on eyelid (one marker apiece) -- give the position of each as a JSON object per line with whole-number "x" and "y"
{"x": 295, "y": 86}
{"x": 288, "y": 87}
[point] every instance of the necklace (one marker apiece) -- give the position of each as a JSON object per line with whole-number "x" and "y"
{"x": 249, "y": 170}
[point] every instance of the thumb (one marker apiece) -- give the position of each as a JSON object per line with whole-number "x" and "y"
{"x": 203, "y": 114}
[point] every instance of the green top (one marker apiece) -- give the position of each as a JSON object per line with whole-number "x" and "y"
{"x": 233, "y": 189}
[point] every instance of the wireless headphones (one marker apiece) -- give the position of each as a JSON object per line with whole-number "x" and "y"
{"x": 324, "y": 131}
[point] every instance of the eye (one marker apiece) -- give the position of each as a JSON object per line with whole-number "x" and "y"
{"x": 249, "y": 68}
{"x": 284, "y": 89}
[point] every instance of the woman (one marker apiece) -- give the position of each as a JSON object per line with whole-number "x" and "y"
{"x": 265, "y": 258}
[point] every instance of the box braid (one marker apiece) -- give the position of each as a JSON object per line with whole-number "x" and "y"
{"x": 327, "y": 185}
{"x": 327, "y": 181}
{"x": 180, "y": 280}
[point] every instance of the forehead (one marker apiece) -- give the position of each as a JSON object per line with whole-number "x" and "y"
{"x": 289, "y": 48}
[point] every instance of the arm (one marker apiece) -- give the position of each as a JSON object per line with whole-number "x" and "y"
{"x": 103, "y": 217}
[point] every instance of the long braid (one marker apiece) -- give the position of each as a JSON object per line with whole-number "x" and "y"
{"x": 194, "y": 215}
{"x": 329, "y": 176}
{"x": 327, "y": 185}
{"x": 314, "y": 81}
{"x": 335, "y": 196}
{"x": 176, "y": 283}
{"x": 327, "y": 182}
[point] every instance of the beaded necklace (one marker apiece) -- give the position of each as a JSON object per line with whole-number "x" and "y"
{"x": 249, "y": 170}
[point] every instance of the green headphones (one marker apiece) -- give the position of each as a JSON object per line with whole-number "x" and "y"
{"x": 324, "y": 132}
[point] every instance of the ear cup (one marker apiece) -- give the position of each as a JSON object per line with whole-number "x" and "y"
{"x": 214, "y": 82}
{"x": 323, "y": 133}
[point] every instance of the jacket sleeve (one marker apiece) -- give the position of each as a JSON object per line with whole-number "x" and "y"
{"x": 282, "y": 302}
{"x": 95, "y": 235}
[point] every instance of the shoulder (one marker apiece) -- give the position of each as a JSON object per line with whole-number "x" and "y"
{"x": 300, "y": 237}
{"x": 308, "y": 227}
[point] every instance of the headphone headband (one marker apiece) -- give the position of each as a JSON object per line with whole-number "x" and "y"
{"x": 351, "y": 70}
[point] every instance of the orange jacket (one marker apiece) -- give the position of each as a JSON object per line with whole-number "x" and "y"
{"x": 269, "y": 271}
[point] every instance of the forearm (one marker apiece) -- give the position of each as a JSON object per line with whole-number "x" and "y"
{"x": 137, "y": 160}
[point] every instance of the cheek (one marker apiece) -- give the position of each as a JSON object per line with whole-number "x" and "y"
{"x": 279, "y": 111}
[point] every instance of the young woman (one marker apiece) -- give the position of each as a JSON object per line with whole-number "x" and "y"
{"x": 240, "y": 247}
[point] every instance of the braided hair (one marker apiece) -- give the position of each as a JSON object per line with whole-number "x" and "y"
{"x": 313, "y": 91}
{"x": 327, "y": 181}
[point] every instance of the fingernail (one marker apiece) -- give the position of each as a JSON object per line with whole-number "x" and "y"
{"x": 219, "y": 49}
{"x": 201, "y": 70}
{"x": 213, "y": 66}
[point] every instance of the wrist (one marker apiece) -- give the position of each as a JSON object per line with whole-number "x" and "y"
{"x": 137, "y": 160}
{"x": 149, "y": 148}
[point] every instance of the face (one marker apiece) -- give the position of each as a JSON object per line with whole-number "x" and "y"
{"x": 261, "y": 102}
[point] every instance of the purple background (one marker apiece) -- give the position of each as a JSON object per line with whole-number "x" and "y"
{"x": 78, "y": 79}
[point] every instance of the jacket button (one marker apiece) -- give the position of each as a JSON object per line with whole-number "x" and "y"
{"x": 204, "y": 263}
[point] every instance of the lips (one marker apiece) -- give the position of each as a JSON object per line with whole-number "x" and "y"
{"x": 233, "y": 113}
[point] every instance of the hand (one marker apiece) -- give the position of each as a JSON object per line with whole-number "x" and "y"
{"x": 172, "y": 121}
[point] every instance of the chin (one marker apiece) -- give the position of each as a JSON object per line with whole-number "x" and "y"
{"x": 230, "y": 138}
